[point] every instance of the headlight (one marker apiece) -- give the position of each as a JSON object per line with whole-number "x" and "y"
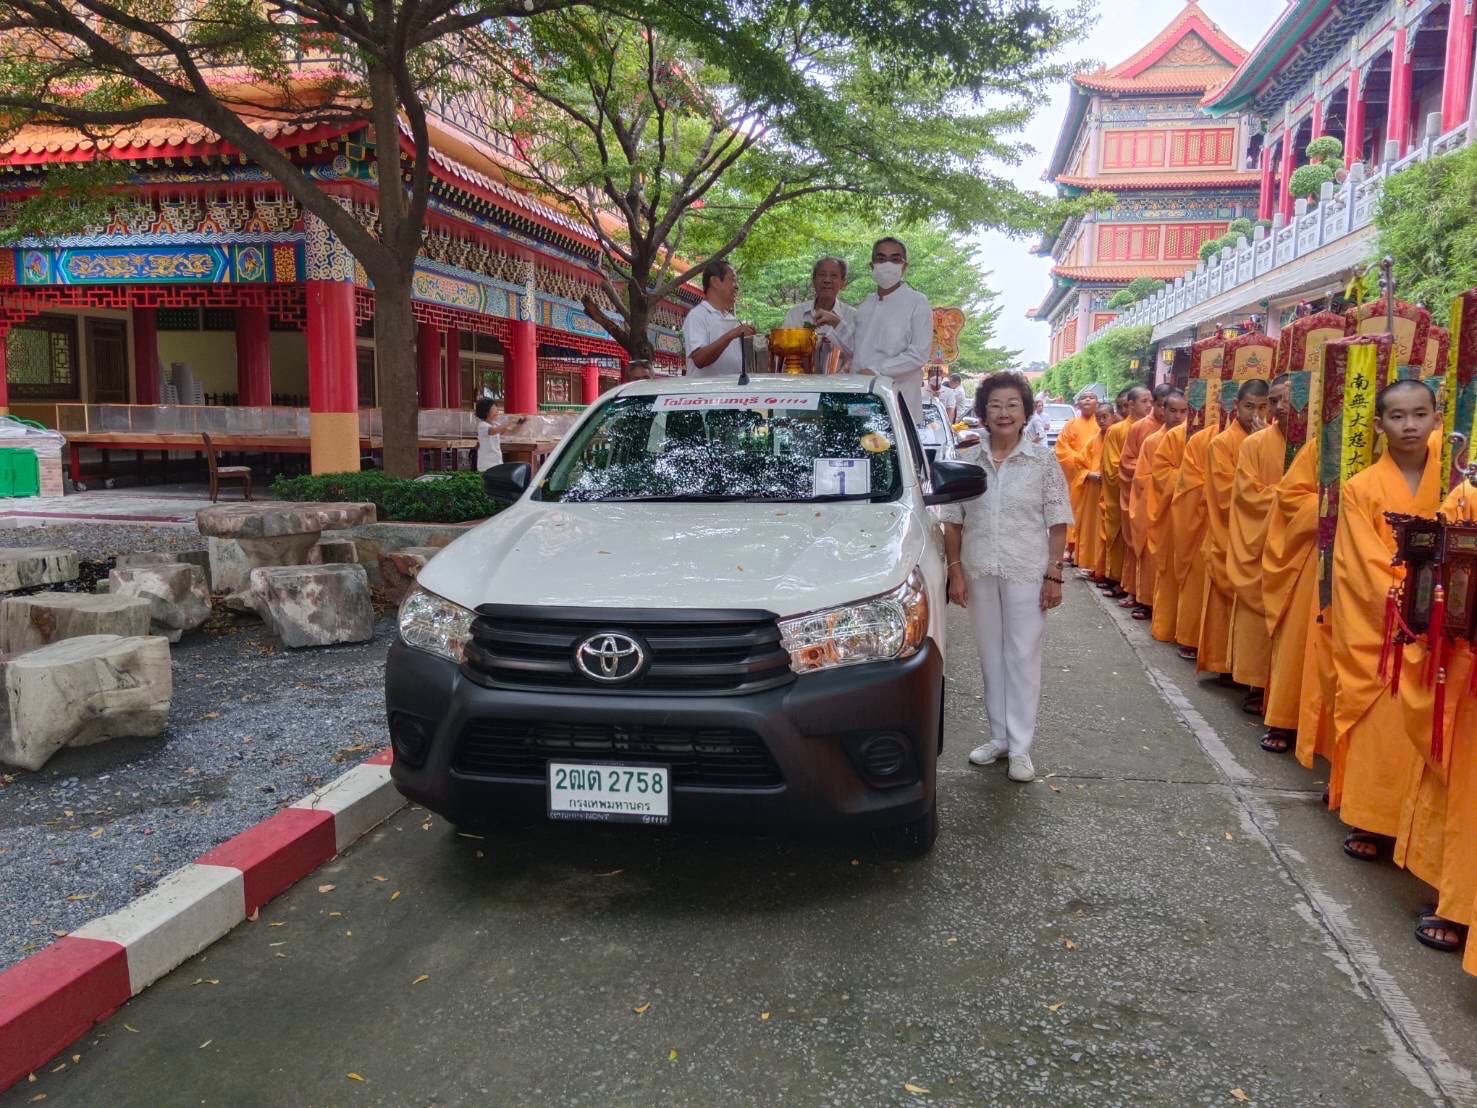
{"x": 885, "y": 627}
{"x": 434, "y": 624}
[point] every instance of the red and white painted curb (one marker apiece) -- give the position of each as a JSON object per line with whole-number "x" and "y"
{"x": 51, "y": 998}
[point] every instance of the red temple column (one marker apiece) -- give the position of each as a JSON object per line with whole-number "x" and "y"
{"x": 333, "y": 372}
{"x": 520, "y": 369}
{"x": 1264, "y": 199}
{"x": 1456, "y": 79}
{"x": 145, "y": 356}
{"x": 253, "y": 358}
{"x": 591, "y": 374}
{"x": 1317, "y": 120}
{"x": 1354, "y": 118}
{"x": 1397, "y": 126}
{"x": 428, "y": 364}
{"x": 453, "y": 368}
{"x": 4, "y": 374}
{"x": 1289, "y": 163}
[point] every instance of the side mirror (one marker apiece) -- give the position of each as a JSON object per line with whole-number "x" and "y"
{"x": 952, "y": 482}
{"x": 507, "y": 482}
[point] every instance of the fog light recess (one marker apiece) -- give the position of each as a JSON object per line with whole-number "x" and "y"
{"x": 885, "y": 758}
{"x": 411, "y": 738}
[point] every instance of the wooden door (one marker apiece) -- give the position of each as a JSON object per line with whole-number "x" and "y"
{"x": 107, "y": 355}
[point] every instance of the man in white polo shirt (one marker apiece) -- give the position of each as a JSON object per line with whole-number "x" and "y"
{"x": 894, "y": 326}
{"x": 711, "y": 332}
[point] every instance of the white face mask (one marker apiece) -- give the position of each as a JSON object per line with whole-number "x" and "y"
{"x": 887, "y": 274}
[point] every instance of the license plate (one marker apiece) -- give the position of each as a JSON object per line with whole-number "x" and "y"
{"x": 610, "y": 793}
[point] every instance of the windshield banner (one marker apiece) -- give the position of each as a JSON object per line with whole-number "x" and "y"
{"x": 684, "y": 402}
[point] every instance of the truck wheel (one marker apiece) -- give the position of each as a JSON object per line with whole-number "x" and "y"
{"x": 917, "y": 836}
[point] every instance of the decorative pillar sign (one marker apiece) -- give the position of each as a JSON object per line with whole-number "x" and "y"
{"x": 1204, "y": 388}
{"x": 1354, "y": 370}
{"x": 1408, "y": 323}
{"x": 1300, "y": 352}
{"x": 948, "y": 324}
{"x": 1460, "y": 410}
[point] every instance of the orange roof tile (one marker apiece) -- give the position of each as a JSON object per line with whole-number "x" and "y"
{"x": 1123, "y": 271}
{"x": 1166, "y": 180}
{"x": 157, "y": 138}
{"x": 1189, "y": 79}
{"x": 1185, "y": 64}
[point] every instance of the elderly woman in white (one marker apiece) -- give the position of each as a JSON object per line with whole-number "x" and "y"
{"x": 1005, "y": 553}
{"x": 826, "y": 311}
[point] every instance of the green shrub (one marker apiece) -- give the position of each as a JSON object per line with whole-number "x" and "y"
{"x": 1325, "y": 149}
{"x": 1308, "y": 180}
{"x": 1427, "y": 218}
{"x": 1209, "y": 249}
{"x": 453, "y": 498}
{"x": 1240, "y": 227}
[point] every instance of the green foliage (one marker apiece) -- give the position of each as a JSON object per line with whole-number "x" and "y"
{"x": 1138, "y": 289}
{"x": 1325, "y": 149}
{"x": 1105, "y": 361}
{"x": 71, "y": 198}
{"x": 1209, "y": 249}
{"x": 453, "y": 498}
{"x": 774, "y": 267}
{"x": 1308, "y": 180}
{"x": 1240, "y": 227}
{"x": 1427, "y": 219}
{"x": 1228, "y": 240}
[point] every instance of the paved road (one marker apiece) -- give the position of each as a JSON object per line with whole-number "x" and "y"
{"x": 1166, "y": 920}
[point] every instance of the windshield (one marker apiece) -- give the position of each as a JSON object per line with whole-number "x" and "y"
{"x": 1060, "y": 413}
{"x": 729, "y": 445}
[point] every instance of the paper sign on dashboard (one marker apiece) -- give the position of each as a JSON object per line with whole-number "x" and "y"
{"x": 720, "y": 401}
{"x": 842, "y": 476}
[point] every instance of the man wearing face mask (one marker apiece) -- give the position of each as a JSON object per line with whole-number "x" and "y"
{"x": 894, "y": 326}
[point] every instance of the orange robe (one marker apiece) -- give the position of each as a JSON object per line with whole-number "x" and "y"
{"x": 1139, "y": 509}
{"x": 1090, "y": 523}
{"x": 1071, "y": 452}
{"x": 1112, "y": 500}
{"x": 1215, "y": 620}
{"x": 1258, "y": 472}
{"x": 1373, "y": 761}
{"x": 1164, "y": 474}
{"x": 1188, "y": 526}
{"x": 1128, "y": 462}
{"x": 1315, "y": 715}
{"x": 1290, "y": 585}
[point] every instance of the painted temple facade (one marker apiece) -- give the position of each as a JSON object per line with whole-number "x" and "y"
{"x": 205, "y": 262}
{"x": 1178, "y": 177}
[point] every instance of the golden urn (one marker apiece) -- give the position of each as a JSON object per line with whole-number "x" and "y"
{"x": 791, "y": 349}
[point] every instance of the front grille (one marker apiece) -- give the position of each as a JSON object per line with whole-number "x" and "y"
{"x": 691, "y": 652}
{"x": 704, "y": 757}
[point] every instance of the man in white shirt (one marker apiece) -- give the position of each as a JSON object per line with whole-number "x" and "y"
{"x": 894, "y": 326}
{"x": 954, "y": 400}
{"x": 1037, "y": 427}
{"x": 711, "y": 332}
{"x": 826, "y": 311}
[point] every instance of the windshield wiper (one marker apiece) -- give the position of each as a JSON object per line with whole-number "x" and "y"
{"x": 665, "y": 499}
{"x": 827, "y": 498}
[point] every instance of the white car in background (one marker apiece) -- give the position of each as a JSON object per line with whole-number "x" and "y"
{"x": 1057, "y": 418}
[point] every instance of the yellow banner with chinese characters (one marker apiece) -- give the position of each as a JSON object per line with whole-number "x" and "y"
{"x": 1452, "y": 396}
{"x": 1361, "y": 386}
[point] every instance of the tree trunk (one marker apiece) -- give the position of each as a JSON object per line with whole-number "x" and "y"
{"x": 394, "y": 344}
{"x": 638, "y": 339}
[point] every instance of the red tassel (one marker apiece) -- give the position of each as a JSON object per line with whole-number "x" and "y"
{"x": 1395, "y": 670}
{"x": 1438, "y": 725}
{"x": 1435, "y": 634}
{"x": 1387, "y": 643}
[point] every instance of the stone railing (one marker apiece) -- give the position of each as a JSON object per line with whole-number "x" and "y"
{"x": 1342, "y": 210}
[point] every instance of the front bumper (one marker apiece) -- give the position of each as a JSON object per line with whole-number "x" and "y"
{"x": 810, "y": 728}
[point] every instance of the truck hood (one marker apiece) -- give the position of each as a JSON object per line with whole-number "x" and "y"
{"x": 784, "y": 558}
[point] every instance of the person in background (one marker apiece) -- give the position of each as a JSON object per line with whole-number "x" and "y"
{"x": 831, "y": 316}
{"x": 955, "y": 401}
{"x": 1037, "y": 426}
{"x": 894, "y": 326}
{"x": 489, "y": 442}
{"x": 711, "y": 332}
{"x": 1005, "y": 553}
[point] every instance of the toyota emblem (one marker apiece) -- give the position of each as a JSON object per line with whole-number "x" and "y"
{"x": 610, "y": 657}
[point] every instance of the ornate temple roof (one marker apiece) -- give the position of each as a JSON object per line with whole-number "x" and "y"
{"x": 1167, "y": 180}
{"x": 156, "y": 139}
{"x": 1120, "y": 273}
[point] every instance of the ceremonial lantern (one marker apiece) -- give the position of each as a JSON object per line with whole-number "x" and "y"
{"x": 1203, "y": 391}
{"x": 791, "y": 349}
{"x": 1354, "y": 371}
{"x": 1300, "y": 351}
{"x": 1409, "y": 324}
{"x": 1248, "y": 357}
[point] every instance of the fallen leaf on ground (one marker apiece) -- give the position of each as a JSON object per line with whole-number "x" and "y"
{"x": 1240, "y": 1094}
{"x": 59, "y": 1068}
{"x": 326, "y": 888}
{"x": 256, "y": 914}
{"x": 379, "y": 878}
{"x": 81, "y": 896}
{"x": 205, "y": 1044}
{"x": 422, "y": 977}
{"x": 469, "y": 835}
{"x": 279, "y": 924}
{"x": 395, "y": 895}
{"x": 38, "y": 1098}
{"x": 1229, "y": 837}
{"x": 96, "y": 834}
{"x": 611, "y": 873}
{"x": 1057, "y": 1007}
{"x": 641, "y": 1009}
{"x": 133, "y": 1029}
{"x": 672, "y": 1055}
{"x": 764, "y": 1015}
{"x": 916, "y": 1090}
{"x": 353, "y": 1076}
{"x": 212, "y": 715}
{"x": 952, "y": 939}
{"x": 1069, "y": 944}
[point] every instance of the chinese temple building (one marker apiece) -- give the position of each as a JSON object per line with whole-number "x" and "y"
{"x": 210, "y": 289}
{"x": 1136, "y": 130}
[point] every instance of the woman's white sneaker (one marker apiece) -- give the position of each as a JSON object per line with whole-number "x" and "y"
{"x": 1021, "y": 768}
{"x": 987, "y": 755}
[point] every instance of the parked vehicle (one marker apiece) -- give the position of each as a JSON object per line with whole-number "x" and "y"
{"x": 718, "y": 602}
{"x": 1057, "y": 418}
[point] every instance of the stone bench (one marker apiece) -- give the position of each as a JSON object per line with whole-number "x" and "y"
{"x": 331, "y": 552}
{"x": 199, "y": 558}
{"x": 31, "y": 622}
{"x": 82, "y": 691}
{"x": 177, "y": 596}
{"x": 399, "y": 569}
{"x": 314, "y": 605}
{"x": 244, "y": 537}
{"x": 24, "y": 567}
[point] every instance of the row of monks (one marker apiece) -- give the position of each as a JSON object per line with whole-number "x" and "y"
{"x": 1274, "y": 577}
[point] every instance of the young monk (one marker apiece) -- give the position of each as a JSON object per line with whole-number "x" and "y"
{"x": 1187, "y": 529}
{"x": 1136, "y": 402}
{"x": 1249, "y": 415}
{"x": 1290, "y": 597}
{"x": 1135, "y": 467}
{"x": 1164, "y": 474}
{"x": 1455, "y": 872}
{"x": 1258, "y": 470}
{"x": 1071, "y": 452}
{"x": 1090, "y": 524}
{"x": 1098, "y": 570}
{"x": 1373, "y": 761}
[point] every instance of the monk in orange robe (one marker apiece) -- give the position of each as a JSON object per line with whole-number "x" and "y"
{"x": 1071, "y": 452}
{"x": 1374, "y": 763}
{"x": 1454, "y": 873}
{"x": 1137, "y": 403}
{"x": 1213, "y": 654}
{"x": 1290, "y": 598}
{"x": 1258, "y": 472}
{"x": 1164, "y": 474}
{"x": 1188, "y": 525}
{"x": 1090, "y": 525}
{"x": 1134, "y": 470}
{"x": 1097, "y": 568}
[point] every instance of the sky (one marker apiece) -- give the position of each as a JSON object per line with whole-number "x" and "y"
{"x": 1123, "y": 27}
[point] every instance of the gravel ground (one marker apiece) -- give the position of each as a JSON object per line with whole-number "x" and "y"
{"x": 252, "y": 728}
